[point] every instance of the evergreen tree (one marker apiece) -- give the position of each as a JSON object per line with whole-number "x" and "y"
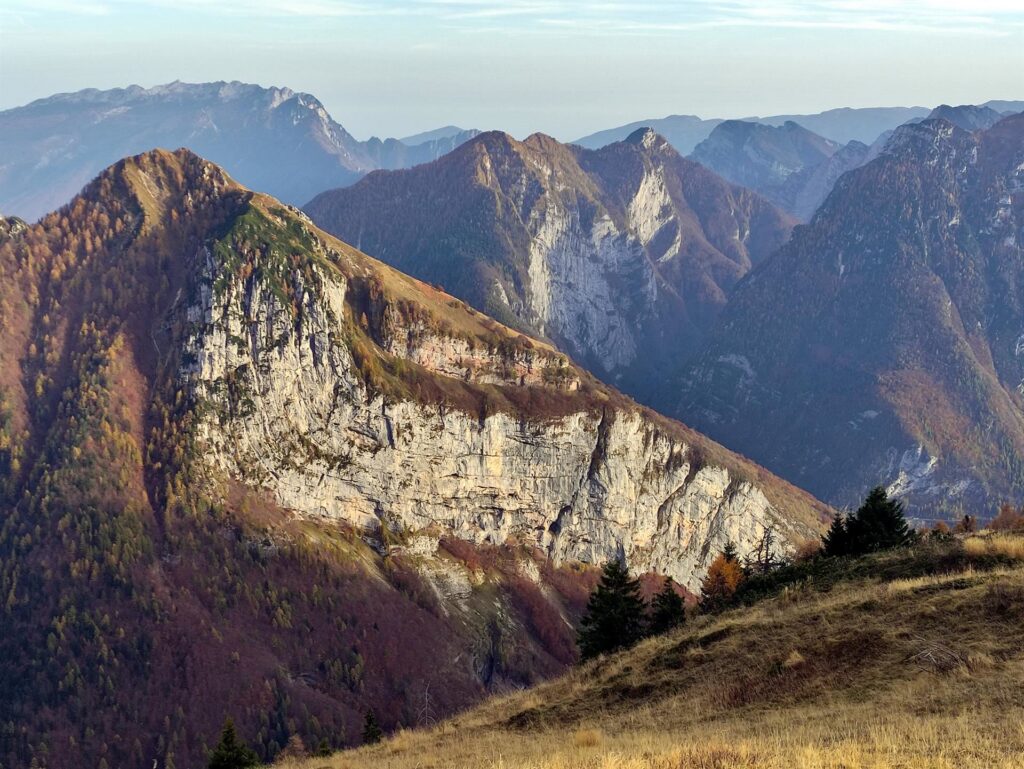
{"x": 667, "y": 609}
{"x": 230, "y": 752}
{"x": 730, "y": 553}
{"x": 615, "y": 612}
{"x": 837, "y": 539}
{"x": 878, "y": 524}
{"x": 372, "y": 733}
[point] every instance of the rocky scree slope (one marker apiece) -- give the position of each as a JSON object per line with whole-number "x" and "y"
{"x": 238, "y": 457}
{"x": 271, "y": 139}
{"x": 622, "y": 256}
{"x": 883, "y": 343}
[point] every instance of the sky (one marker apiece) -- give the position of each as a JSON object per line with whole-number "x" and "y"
{"x": 564, "y": 67}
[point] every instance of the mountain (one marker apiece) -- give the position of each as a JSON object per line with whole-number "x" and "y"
{"x": 623, "y": 256}
{"x": 967, "y": 116}
{"x": 247, "y": 470}
{"x": 864, "y": 125}
{"x": 683, "y": 132}
{"x": 894, "y": 647}
{"x": 438, "y": 134}
{"x": 1005, "y": 107}
{"x": 392, "y": 153}
{"x": 777, "y": 162}
{"x": 883, "y": 342}
{"x": 269, "y": 138}
{"x": 847, "y": 124}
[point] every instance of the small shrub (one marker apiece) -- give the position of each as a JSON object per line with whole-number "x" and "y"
{"x": 1008, "y": 518}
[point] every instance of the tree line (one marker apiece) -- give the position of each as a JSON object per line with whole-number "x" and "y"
{"x": 617, "y": 618}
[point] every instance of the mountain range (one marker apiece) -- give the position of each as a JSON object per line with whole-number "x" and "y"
{"x": 843, "y": 125}
{"x": 270, "y": 138}
{"x": 796, "y": 168}
{"x": 249, "y": 470}
{"x": 883, "y": 341}
{"x": 622, "y": 256}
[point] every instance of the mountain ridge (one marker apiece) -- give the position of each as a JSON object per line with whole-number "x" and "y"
{"x": 623, "y": 256}
{"x": 897, "y": 305}
{"x": 263, "y": 135}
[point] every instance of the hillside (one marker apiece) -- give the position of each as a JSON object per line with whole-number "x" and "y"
{"x": 247, "y": 470}
{"x": 882, "y": 343}
{"x": 622, "y": 256}
{"x": 271, "y": 139}
{"x": 918, "y": 667}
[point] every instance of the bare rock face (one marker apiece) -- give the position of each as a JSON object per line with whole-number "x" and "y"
{"x": 622, "y": 256}
{"x": 286, "y": 410}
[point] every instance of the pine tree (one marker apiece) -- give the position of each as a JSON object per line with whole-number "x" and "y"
{"x": 730, "y": 553}
{"x": 837, "y": 539}
{"x": 723, "y": 577}
{"x": 372, "y": 733}
{"x": 878, "y": 524}
{"x": 231, "y": 753}
{"x": 667, "y": 609}
{"x": 614, "y": 616}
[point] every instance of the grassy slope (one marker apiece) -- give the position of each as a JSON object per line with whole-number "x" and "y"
{"x": 920, "y": 671}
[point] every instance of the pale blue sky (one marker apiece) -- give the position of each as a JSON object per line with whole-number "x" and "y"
{"x": 565, "y": 67}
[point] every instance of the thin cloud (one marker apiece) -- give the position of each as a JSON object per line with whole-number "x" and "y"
{"x": 992, "y": 17}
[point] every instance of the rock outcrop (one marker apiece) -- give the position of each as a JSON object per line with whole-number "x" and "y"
{"x": 289, "y": 411}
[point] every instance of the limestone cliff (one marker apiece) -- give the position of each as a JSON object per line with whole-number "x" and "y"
{"x": 287, "y": 409}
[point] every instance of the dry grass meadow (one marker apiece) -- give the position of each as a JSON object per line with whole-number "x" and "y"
{"x": 922, "y": 672}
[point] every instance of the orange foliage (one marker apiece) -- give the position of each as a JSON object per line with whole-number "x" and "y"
{"x": 1009, "y": 518}
{"x": 719, "y": 586}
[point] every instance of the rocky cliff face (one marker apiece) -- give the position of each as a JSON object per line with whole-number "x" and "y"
{"x": 622, "y": 256}
{"x": 881, "y": 345}
{"x": 290, "y": 412}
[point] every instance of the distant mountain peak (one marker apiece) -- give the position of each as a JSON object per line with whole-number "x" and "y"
{"x": 274, "y": 139}
{"x": 647, "y": 138}
{"x": 969, "y": 117}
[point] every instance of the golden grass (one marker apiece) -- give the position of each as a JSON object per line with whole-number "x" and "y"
{"x": 1006, "y": 545}
{"x": 916, "y": 674}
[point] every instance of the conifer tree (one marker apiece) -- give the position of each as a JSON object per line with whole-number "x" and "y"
{"x": 231, "y": 753}
{"x": 667, "y": 609}
{"x": 615, "y": 612}
{"x": 837, "y": 539}
{"x": 878, "y": 524}
{"x": 372, "y": 733}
